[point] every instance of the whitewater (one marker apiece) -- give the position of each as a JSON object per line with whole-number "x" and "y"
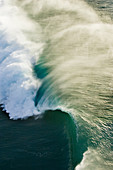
{"x": 59, "y": 55}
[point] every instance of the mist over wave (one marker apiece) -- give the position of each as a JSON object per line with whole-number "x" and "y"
{"x": 59, "y": 54}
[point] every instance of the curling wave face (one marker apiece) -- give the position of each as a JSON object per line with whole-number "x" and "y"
{"x": 60, "y": 57}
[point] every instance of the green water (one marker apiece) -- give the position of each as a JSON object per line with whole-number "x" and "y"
{"x": 67, "y": 64}
{"x": 45, "y": 143}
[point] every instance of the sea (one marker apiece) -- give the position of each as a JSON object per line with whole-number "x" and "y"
{"x": 56, "y": 85}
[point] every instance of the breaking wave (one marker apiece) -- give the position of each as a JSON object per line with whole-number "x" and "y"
{"x": 59, "y": 55}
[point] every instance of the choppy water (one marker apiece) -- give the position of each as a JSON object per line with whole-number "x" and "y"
{"x": 59, "y": 55}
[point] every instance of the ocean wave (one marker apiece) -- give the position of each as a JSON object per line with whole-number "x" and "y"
{"x": 59, "y": 55}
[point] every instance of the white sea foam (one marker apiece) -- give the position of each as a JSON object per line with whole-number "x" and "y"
{"x": 89, "y": 161}
{"x": 18, "y": 86}
{"x": 92, "y": 159}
